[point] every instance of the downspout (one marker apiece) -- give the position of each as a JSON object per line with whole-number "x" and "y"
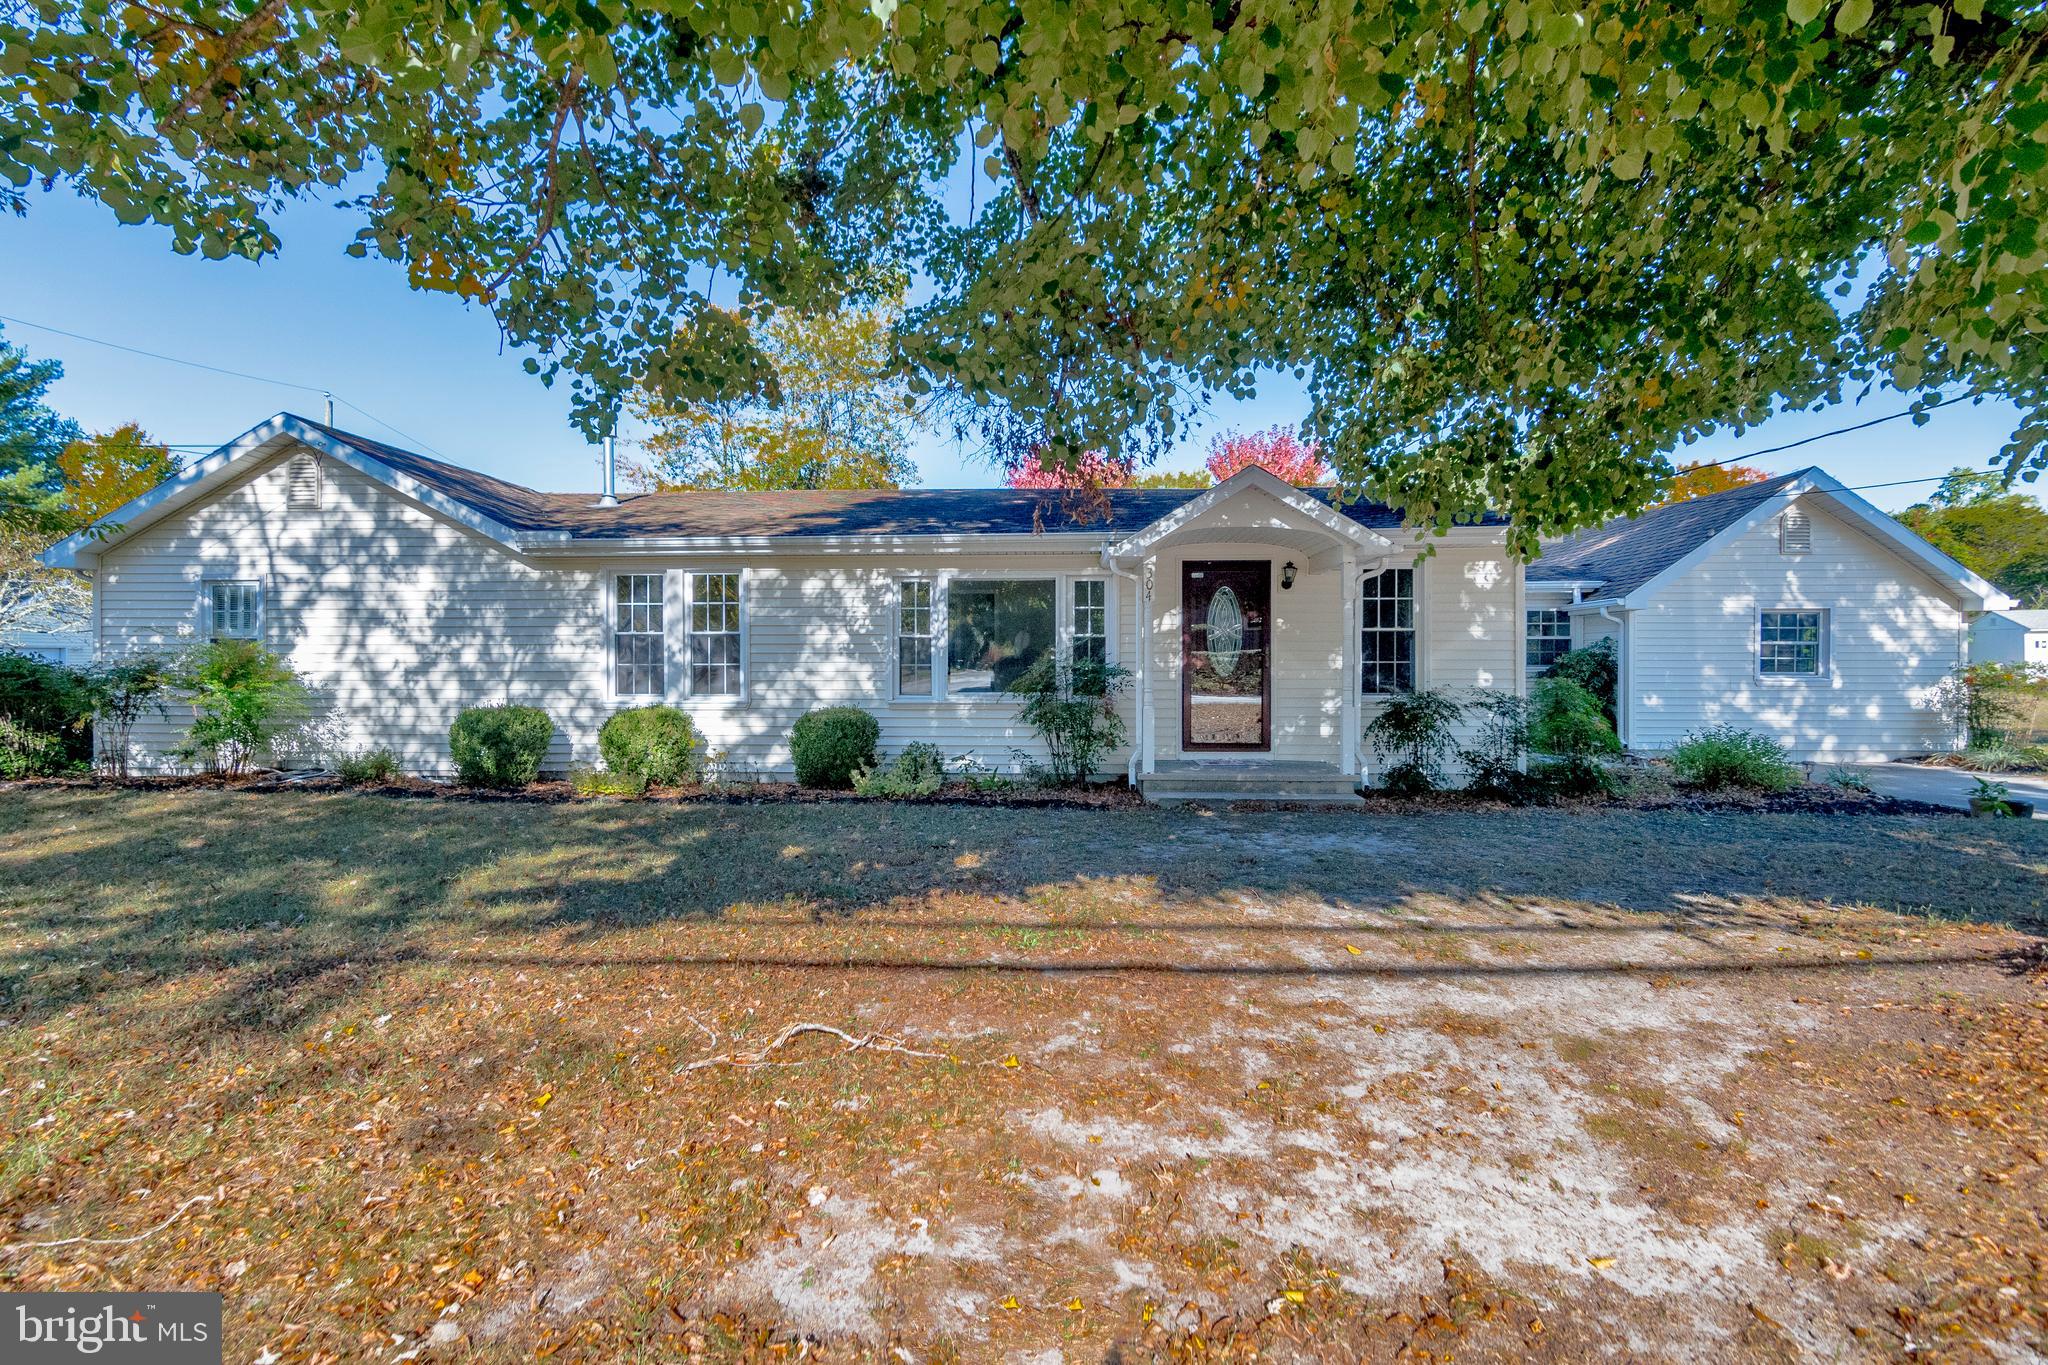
{"x": 1142, "y": 703}
{"x": 1623, "y": 712}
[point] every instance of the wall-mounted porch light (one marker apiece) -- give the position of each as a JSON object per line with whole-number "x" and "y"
{"x": 1287, "y": 575}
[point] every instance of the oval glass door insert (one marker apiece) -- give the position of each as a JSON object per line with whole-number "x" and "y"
{"x": 1226, "y": 631}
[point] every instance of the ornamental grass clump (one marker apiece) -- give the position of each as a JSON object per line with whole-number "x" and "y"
{"x": 1730, "y": 756}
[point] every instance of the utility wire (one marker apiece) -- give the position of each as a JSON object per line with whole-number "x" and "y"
{"x": 1824, "y": 435}
{"x": 217, "y": 369}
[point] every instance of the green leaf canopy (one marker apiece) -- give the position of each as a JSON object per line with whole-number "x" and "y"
{"x": 1520, "y": 252}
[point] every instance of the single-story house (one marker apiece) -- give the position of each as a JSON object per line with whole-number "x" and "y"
{"x": 1790, "y": 606}
{"x": 2010, "y": 637}
{"x": 51, "y": 628}
{"x": 1262, "y": 625}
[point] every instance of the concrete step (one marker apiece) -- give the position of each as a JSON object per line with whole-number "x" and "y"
{"x": 1225, "y": 784}
{"x": 1253, "y": 798}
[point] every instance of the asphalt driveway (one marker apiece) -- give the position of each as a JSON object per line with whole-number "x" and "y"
{"x": 1949, "y": 786}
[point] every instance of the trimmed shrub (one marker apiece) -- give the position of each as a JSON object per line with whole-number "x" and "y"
{"x": 920, "y": 770}
{"x": 1730, "y": 756}
{"x": 500, "y": 746}
{"x": 377, "y": 765}
{"x": 1593, "y": 668}
{"x": 48, "y": 709}
{"x": 590, "y": 782}
{"x": 830, "y": 745}
{"x": 1412, "y": 734}
{"x": 244, "y": 698}
{"x": 657, "y": 743}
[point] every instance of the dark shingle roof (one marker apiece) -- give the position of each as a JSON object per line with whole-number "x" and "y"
{"x": 826, "y": 512}
{"x": 1628, "y": 552}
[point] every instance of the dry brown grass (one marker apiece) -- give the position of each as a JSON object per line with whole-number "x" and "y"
{"x": 1305, "y": 1086}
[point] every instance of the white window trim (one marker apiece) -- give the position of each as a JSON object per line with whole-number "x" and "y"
{"x": 681, "y": 687}
{"x": 938, "y": 662}
{"x": 206, "y": 585}
{"x": 1421, "y": 682}
{"x": 1824, "y": 659}
{"x": 1527, "y": 612}
{"x": 942, "y": 582}
{"x": 611, "y": 636}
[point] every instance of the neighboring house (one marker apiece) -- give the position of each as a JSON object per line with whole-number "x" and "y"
{"x": 58, "y": 633}
{"x": 2010, "y": 637}
{"x": 1790, "y": 606}
{"x": 1263, "y": 627}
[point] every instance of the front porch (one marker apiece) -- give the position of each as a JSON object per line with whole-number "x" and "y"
{"x": 1246, "y": 643}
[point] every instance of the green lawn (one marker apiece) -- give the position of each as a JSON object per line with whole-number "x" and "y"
{"x": 1174, "y": 1084}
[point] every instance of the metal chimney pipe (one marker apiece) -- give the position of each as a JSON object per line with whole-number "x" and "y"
{"x": 610, "y": 496}
{"x": 330, "y": 408}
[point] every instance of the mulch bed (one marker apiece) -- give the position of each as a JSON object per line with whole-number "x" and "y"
{"x": 1811, "y": 799}
{"x": 1108, "y": 796}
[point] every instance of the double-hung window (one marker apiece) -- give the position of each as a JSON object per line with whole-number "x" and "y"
{"x": 1091, "y": 621}
{"x": 1387, "y": 646}
{"x": 714, "y": 643}
{"x": 638, "y": 643}
{"x": 1548, "y": 636}
{"x": 1791, "y": 644}
{"x": 914, "y": 677}
{"x": 234, "y": 610}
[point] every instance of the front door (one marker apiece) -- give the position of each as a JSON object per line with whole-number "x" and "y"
{"x": 1226, "y": 676}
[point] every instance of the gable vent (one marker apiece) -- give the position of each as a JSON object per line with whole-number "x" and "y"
{"x": 1795, "y": 533}
{"x": 303, "y": 483}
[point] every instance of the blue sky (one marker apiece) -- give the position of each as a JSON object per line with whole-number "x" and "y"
{"x": 433, "y": 369}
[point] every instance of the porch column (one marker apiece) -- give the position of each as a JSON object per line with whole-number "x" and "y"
{"x": 1147, "y": 723}
{"x": 1348, "y": 713}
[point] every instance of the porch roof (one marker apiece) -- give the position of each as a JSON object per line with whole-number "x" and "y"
{"x": 1254, "y": 506}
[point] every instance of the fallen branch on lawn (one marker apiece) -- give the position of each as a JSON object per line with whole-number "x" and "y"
{"x": 870, "y": 1042}
{"x": 109, "y": 1241}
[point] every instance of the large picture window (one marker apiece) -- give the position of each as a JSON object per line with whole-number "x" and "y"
{"x": 1790, "y": 644}
{"x": 914, "y": 638}
{"x": 995, "y": 629}
{"x": 714, "y": 642}
{"x": 636, "y": 636}
{"x": 1548, "y": 636}
{"x": 1387, "y": 612}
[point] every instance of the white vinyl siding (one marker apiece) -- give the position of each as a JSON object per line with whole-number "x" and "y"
{"x": 400, "y": 620}
{"x": 1889, "y": 637}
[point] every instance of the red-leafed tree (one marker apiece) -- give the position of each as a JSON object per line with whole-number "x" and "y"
{"x": 1277, "y": 451}
{"x": 1096, "y": 470}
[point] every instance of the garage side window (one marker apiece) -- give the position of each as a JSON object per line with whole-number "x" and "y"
{"x": 234, "y": 610}
{"x": 1791, "y": 644}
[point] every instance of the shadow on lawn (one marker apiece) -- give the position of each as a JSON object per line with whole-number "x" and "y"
{"x": 275, "y": 910}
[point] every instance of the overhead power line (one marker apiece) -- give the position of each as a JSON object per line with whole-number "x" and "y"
{"x": 220, "y": 369}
